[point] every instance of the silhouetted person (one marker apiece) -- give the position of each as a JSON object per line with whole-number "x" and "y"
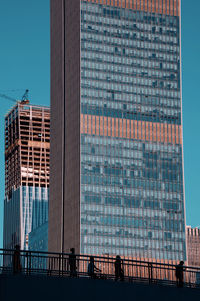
{"x": 179, "y": 274}
{"x": 119, "y": 273}
{"x": 72, "y": 263}
{"x": 16, "y": 260}
{"x": 92, "y": 268}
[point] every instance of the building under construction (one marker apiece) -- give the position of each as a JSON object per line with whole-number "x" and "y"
{"x": 27, "y": 147}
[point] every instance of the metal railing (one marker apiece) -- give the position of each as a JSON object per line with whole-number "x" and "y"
{"x": 68, "y": 265}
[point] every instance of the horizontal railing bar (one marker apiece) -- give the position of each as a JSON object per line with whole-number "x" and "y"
{"x": 109, "y": 259}
{"x": 77, "y": 265}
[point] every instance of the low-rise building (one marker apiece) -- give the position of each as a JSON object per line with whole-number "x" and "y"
{"x": 193, "y": 246}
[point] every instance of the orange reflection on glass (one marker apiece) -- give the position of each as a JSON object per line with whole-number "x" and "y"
{"x": 139, "y": 130}
{"x": 130, "y": 4}
{"x": 101, "y": 126}
{"x": 179, "y": 7}
{"x": 97, "y": 125}
{"x": 105, "y": 126}
{"x": 142, "y": 4}
{"x": 147, "y": 131}
{"x": 145, "y": 5}
{"x": 169, "y": 133}
{"x": 117, "y": 127}
{"x": 158, "y": 132}
{"x": 157, "y": 5}
{"x": 132, "y": 129}
{"x": 153, "y": 6}
{"x": 89, "y": 125}
{"x": 162, "y": 132}
{"x": 120, "y": 128}
{"x": 164, "y": 7}
{"x": 166, "y": 133}
{"x": 124, "y": 3}
{"x": 143, "y": 130}
{"x": 150, "y": 130}
{"x": 171, "y": 8}
{"x": 177, "y": 134}
{"x": 167, "y": 7}
{"x": 160, "y": 6}
{"x": 175, "y": 7}
{"x": 116, "y": 4}
{"x": 109, "y": 126}
{"x": 85, "y": 124}
{"x": 173, "y": 134}
{"x": 128, "y": 129}
{"x": 149, "y": 5}
{"x": 154, "y": 132}
{"x": 113, "y": 127}
{"x": 135, "y": 127}
{"x": 124, "y": 128}
{"x": 93, "y": 125}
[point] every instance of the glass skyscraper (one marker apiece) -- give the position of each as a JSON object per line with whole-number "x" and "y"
{"x": 117, "y": 128}
{"x": 27, "y": 143}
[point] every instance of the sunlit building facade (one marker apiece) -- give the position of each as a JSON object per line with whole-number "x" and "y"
{"x": 27, "y": 143}
{"x": 117, "y": 129}
{"x": 193, "y": 246}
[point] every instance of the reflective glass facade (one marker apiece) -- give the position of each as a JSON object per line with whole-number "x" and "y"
{"x": 26, "y": 210}
{"x": 132, "y": 194}
{"x": 38, "y": 238}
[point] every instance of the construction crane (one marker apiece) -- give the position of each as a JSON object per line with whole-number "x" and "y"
{"x": 24, "y": 99}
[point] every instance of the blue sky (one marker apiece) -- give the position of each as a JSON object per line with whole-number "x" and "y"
{"x": 25, "y": 64}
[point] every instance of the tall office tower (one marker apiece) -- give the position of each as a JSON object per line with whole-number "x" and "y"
{"x": 193, "y": 246}
{"x": 27, "y": 143}
{"x": 116, "y": 153}
{"x": 38, "y": 237}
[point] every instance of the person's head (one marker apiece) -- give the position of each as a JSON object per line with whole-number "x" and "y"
{"x": 72, "y": 250}
{"x": 181, "y": 262}
{"x": 91, "y": 258}
{"x": 118, "y": 257}
{"x": 17, "y": 247}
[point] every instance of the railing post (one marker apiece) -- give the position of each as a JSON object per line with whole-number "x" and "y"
{"x": 29, "y": 262}
{"x": 26, "y": 265}
{"x": 59, "y": 262}
{"x": 49, "y": 265}
{"x": 62, "y": 262}
{"x": 150, "y": 272}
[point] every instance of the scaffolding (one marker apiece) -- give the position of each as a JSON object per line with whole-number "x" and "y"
{"x": 27, "y": 147}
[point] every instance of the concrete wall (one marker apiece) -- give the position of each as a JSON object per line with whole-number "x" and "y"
{"x": 64, "y": 204}
{"x": 44, "y": 288}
